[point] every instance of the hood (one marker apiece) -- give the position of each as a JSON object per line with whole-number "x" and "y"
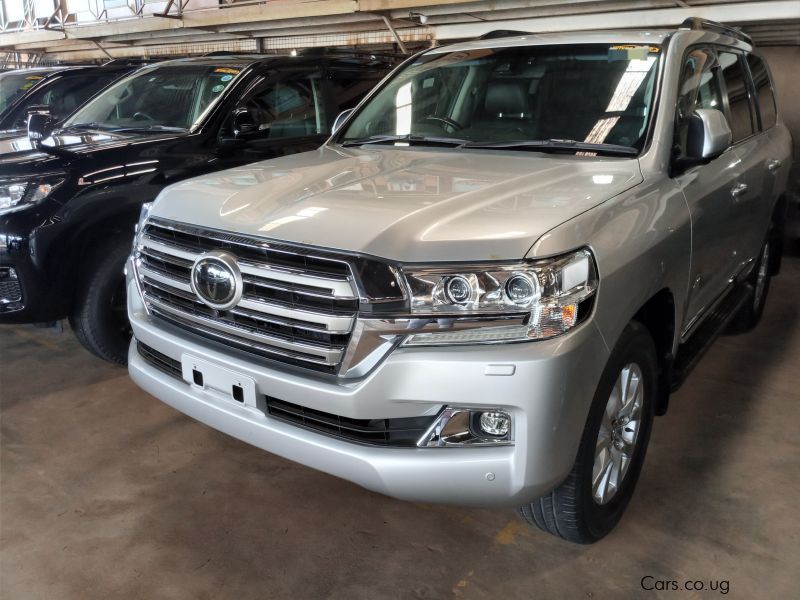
{"x": 404, "y": 204}
{"x": 18, "y": 157}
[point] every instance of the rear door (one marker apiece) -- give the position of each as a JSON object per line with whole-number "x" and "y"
{"x": 709, "y": 189}
{"x": 752, "y": 146}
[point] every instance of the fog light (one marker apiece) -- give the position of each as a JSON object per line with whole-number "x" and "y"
{"x": 495, "y": 423}
{"x": 462, "y": 426}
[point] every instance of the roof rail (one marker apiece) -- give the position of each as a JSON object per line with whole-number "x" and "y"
{"x": 698, "y": 24}
{"x": 501, "y": 33}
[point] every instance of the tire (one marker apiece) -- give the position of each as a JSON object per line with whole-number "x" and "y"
{"x": 99, "y": 317}
{"x": 571, "y": 511}
{"x": 750, "y": 314}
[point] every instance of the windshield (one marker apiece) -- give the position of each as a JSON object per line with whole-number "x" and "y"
{"x": 168, "y": 96}
{"x": 14, "y": 83}
{"x": 593, "y": 94}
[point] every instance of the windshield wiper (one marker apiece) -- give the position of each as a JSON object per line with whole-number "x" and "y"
{"x": 554, "y": 145}
{"x": 404, "y": 139}
{"x": 151, "y": 128}
{"x": 93, "y": 125}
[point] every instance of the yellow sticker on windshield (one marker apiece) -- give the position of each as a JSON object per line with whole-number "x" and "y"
{"x": 630, "y": 52}
{"x": 227, "y": 70}
{"x": 35, "y": 77}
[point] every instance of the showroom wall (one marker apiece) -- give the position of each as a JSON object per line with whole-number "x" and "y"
{"x": 783, "y": 61}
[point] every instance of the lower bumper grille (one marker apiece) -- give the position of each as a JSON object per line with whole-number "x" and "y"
{"x": 160, "y": 361}
{"x": 383, "y": 432}
{"x": 402, "y": 432}
{"x": 10, "y": 290}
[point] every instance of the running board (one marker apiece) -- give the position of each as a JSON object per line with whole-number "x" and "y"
{"x": 693, "y": 349}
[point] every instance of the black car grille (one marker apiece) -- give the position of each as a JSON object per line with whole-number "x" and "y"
{"x": 383, "y": 432}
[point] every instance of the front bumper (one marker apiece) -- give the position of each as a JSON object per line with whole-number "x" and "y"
{"x": 25, "y": 240}
{"x": 548, "y": 395}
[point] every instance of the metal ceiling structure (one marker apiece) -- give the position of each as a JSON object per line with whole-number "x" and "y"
{"x": 79, "y": 30}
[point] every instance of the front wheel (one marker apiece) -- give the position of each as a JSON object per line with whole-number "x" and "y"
{"x": 99, "y": 317}
{"x": 590, "y": 502}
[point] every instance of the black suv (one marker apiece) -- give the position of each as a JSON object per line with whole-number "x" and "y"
{"x": 68, "y": 208}
{"x": 57, "y": 90}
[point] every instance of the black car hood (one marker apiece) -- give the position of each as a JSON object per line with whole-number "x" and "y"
{"x": 65, "y": 146}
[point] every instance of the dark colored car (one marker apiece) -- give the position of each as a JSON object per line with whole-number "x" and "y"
{"x": 59, "y": 90}
{"x": 69, "y": 206}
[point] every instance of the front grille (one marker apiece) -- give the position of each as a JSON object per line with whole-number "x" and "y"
{"x": 402, "y": 432}
{"x": 298, "y": 306}
{"x": 382, "y": 432}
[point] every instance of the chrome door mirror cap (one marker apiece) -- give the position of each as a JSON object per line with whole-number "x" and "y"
{"x": 709, "y": 133}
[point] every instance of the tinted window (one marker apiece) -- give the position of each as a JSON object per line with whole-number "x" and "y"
{"x": 15, "y": 83}
{"x": 591, "y": 93}
{"x": 766, "y": 99}
{"x": 738, "y": 97}
{"x": 166, "y": 96}
{"x": 699, "y": 88}
{"x": 65, "y": 94}
{"x": 292, "y": 107}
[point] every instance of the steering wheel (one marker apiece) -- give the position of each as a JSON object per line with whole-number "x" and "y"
{"x": 446, "y": 120}
{"x": 140, "y": 116}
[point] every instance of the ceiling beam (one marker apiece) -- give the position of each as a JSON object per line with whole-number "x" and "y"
{"x": 734, "y": 13}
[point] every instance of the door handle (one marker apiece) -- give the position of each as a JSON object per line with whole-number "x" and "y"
{"x": 774, "y": 165}
{"x": 738, "y": 190}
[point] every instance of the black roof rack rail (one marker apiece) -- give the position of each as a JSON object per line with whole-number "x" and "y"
{"x": 501, "y": 33}
{"x": 698, "y": 24}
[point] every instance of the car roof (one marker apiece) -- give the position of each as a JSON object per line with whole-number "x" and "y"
{"x": 243, "y": 60}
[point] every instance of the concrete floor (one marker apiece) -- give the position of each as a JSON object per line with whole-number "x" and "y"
{"x": 107, "y": 493}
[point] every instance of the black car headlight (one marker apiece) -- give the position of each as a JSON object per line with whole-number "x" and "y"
{"x": 469, "y": 304}
{"x": 19, "y": 193}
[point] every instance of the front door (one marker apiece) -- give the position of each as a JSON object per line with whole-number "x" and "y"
{"x": 711, "y": 190}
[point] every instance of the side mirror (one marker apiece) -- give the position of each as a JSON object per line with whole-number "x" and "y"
{"x": 39, "y": 123}
{"x": 709, "y": 134}
{"x": 243, "y": 123}
{"x": 341, "y": 119}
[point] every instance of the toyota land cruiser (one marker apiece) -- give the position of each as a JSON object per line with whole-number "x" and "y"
{"x": 486, "y": 283}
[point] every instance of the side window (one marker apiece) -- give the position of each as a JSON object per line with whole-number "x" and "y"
{"x": 742, "y": 123}
{"x": 764, "y": 94}
{"x": 699, "y": 88}
{"x": 291, "y": 107}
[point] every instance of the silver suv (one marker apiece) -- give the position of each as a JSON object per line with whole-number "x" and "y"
{"x": 485, "y": 285}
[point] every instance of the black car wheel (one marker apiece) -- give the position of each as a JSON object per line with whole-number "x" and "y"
{"x": 100, "y": 317}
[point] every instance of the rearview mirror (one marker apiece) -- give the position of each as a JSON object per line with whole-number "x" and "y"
{"x": 341, "y": 119}
{"x": 39, "y": 123}
{"x": 709, "y": 134}
{"x": 243, "y": 123}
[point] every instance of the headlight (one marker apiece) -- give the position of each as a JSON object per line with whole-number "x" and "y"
{"x": 548, "y": 297}
{"x": 16, "y": 194}
{"x": 144, "y": 212}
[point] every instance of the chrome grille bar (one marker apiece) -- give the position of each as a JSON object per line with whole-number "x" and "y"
{"x": 287, "y": 311}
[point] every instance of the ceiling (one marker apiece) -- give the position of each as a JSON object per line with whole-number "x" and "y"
{"x": 98, "y": 29}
